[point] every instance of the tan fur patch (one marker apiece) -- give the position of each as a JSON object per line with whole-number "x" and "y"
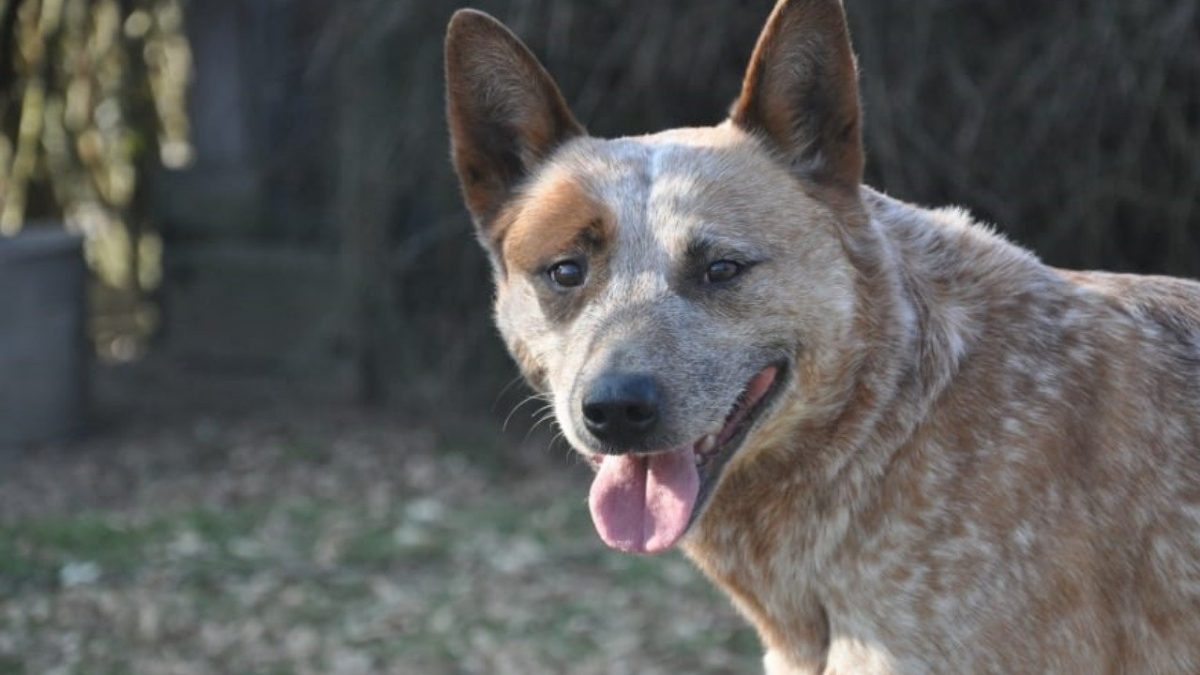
{"x": 556, "y": 215}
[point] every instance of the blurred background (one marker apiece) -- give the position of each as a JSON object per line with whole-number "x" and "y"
{"x": 254, "y": 417}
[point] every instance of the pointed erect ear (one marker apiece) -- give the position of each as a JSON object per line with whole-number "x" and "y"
{"x": 801, "y": 92}
{"x": 505, "y": 113}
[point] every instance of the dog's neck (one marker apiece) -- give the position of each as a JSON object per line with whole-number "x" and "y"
{"x": 925, "y": 284}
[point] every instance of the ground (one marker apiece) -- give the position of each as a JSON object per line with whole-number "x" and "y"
{"x": 315, "y": 538}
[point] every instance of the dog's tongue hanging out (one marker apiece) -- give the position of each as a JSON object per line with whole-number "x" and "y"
{"x": 642, "y": 504}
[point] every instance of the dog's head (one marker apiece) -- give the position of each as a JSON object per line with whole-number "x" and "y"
{"x": 679, "y": 295}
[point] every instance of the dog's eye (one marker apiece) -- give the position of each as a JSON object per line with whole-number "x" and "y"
{"x": 567, "y": 273}
{"x": 722, "y": 270}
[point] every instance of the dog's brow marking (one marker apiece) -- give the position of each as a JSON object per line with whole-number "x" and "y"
{"x": 557, "y": 214}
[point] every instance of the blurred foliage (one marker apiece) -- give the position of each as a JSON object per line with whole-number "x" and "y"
{"x": 1073, "y": 126}
{"x": 92, "y": 96}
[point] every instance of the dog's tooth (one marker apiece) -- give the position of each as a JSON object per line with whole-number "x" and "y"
{"x": 706, "y": 444}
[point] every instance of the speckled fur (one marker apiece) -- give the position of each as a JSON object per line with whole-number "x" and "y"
{"x": 978, "y": 464}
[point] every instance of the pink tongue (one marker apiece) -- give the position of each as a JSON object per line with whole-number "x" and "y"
{"x": 642, "y": 504}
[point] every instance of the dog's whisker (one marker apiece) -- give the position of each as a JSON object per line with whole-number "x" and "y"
{"x": 547, "y": 417}
{"x": 542, "y": 420}
{"x": 503, "y": 390}
{"x": 526, "y": 400}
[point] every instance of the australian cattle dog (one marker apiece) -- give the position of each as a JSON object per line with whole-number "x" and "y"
{"x": 899, "y": 443}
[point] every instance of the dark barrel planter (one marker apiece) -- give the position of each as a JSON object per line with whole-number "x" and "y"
{"x": 44, "y": 354}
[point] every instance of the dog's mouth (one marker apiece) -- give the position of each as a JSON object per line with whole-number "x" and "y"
{"x": 644, "y": 503}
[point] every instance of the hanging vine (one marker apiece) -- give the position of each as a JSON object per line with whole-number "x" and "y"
{"x": 92, "y": 94}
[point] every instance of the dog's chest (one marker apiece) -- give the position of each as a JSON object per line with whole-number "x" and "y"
{"x": 920, "y": 593}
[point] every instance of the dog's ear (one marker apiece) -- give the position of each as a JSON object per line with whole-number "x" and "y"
{"x": 801, "y": 92}
{"x": 504, "y": 111}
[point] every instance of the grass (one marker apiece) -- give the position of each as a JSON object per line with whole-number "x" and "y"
{"x": 33, "y": 551}
{"x": 350, "y": 556}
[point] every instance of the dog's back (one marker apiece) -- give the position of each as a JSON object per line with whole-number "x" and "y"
{"x": 1051, "y": 489}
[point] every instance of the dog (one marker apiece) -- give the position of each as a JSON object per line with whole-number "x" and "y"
{"x": 898, "y": 442}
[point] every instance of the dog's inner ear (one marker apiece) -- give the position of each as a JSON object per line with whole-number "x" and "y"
{"x": 505, "y": 113}
{"x": 801, "y": 92}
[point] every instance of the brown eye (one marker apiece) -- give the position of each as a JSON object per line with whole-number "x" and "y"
{"x": 722, "y": 270}
{"x": 567, "y": 274}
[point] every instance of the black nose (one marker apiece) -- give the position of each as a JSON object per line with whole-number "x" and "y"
{"x": 622, "y": 410}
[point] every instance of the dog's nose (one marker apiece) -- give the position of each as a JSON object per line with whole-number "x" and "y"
{"x": 622, "y": 409}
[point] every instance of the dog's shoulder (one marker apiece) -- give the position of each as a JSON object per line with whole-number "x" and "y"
{"x": 1031, "y": 302}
